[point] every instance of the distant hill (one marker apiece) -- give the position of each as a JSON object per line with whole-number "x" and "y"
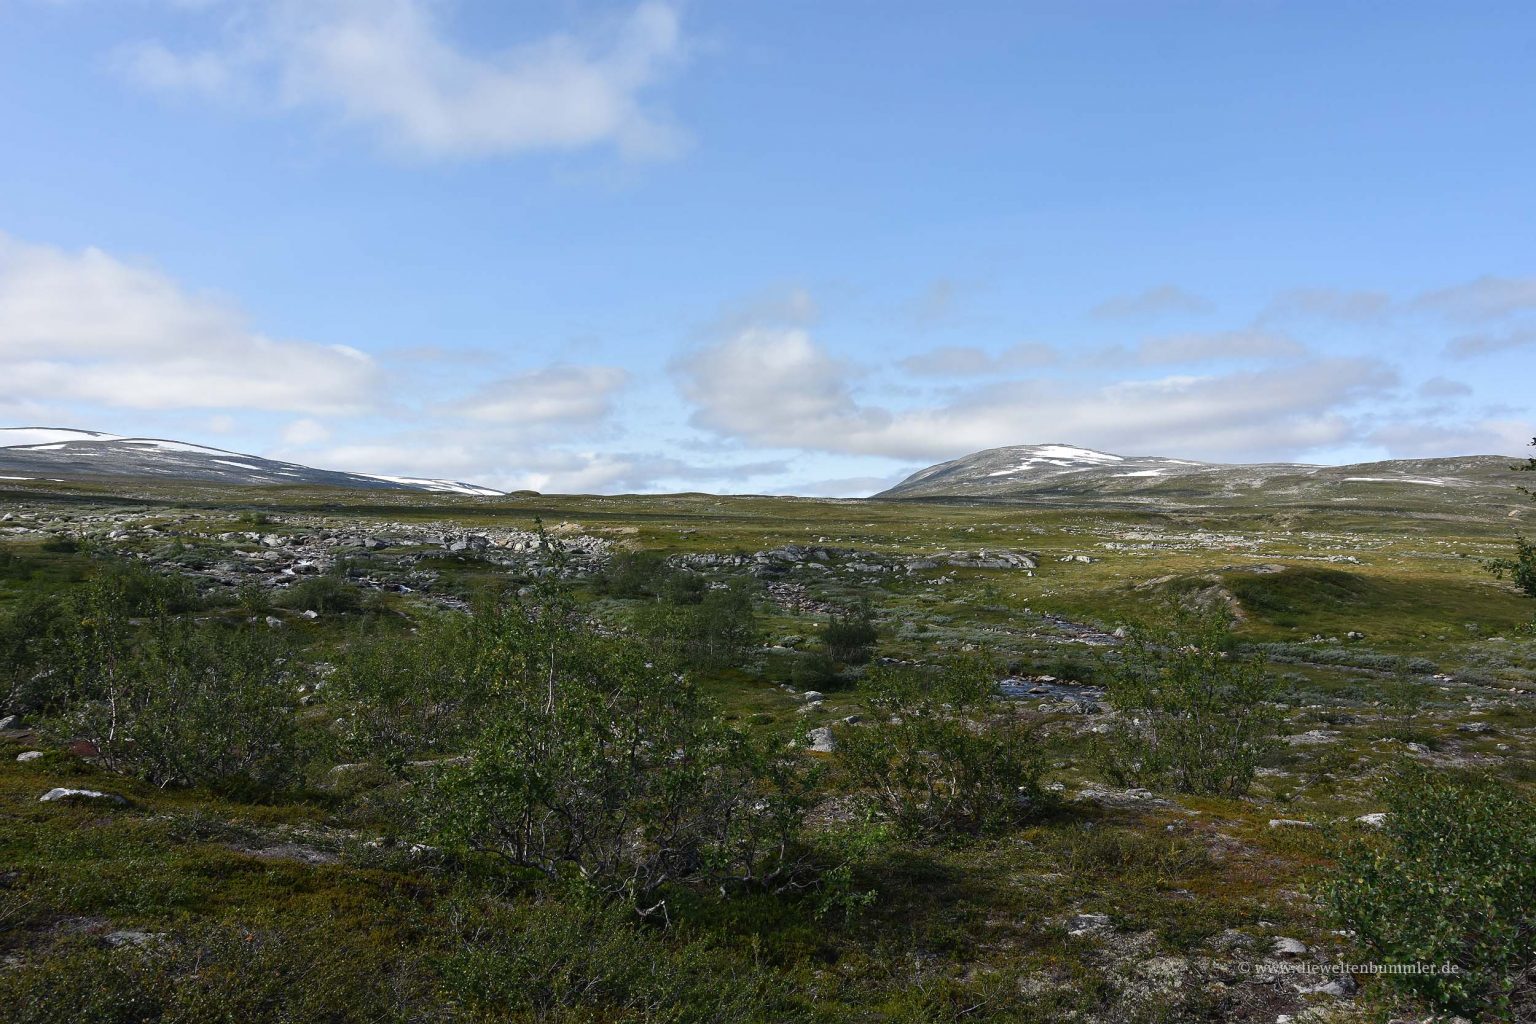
{"x": 1064, "y": 472}
{"x": 57, "y": 453}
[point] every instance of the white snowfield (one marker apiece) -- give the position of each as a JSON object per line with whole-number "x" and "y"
{"x": 16, "y": 437}
{"x": 446, "y": 486}
{"x": 1430, "y": 481}
{"x": 1064, "y": 455}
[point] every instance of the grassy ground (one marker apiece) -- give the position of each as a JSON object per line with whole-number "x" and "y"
{"x": 1351, "y": 602}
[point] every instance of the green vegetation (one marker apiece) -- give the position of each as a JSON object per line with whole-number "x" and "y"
{"x": 1193, "y": 711}
{"x": 528, "y": 783}
{"x": 930, "y": 766}
{"x": 1449, "y": 880}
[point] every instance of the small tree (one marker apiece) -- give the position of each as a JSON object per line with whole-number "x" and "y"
{"x": 1521, "y": 569}
{"x": 933, "y": 762}
{"x": 1192, "y": 712}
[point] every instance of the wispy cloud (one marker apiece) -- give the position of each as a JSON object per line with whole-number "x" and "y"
{"x": 1487, "y": 298}
{"x": 556, "y": 394}
{"x": 391, "y": 66}
{"x": 1469, "y": 346}
{"x": 970, "y": 361}
{"x": 1157, "y": 301}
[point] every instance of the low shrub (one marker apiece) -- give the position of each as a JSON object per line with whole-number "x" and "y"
{"x": 849, "y": 636}
{"x": 1451, "y": 878}
{"x": 595, "y": 766}
{"x": 932, "y": 763}
{"x": 1192, "y": 714}
{"x": 712, "y": 635}
{"x": 185, "y": 705}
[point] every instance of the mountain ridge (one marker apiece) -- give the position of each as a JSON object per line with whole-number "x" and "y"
{"x": 1060, "y": 471}
{"x": 52, "y": 453}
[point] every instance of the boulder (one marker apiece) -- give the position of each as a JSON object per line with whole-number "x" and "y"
{"x": 1285, "y": 946}
{"x": 65, "y": 793}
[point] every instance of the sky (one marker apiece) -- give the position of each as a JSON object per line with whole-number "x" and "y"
{"x": 769, "y": 246}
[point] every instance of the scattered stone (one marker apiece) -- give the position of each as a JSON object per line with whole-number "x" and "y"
{"x": 1087, "y": 924}
{"x": 29, "y": 755}
{"x": 1474, "y": 727}
{"x": 11, "y": 722}
{"x": 65, "y": 793}
{"x": 1285, "y": 946}
{"x": 821, "y": 740}
{"x": 1289, "y": 823}
{"x": 812, "y": 695}
{"x": 132, "y": 938}
{"x": 1376, "y": 819}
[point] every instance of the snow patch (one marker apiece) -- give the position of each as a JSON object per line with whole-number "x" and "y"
{"x": 18, "y": 437}
{"x": 444, "y": 486}
{"x": 1427, "y": 481}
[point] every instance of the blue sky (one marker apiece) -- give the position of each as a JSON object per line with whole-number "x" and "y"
{"x": 768, "y": 246}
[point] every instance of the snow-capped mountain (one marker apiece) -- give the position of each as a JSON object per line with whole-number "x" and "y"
{"x": 1065, "y": 472}
{"x": 57, "y": 453}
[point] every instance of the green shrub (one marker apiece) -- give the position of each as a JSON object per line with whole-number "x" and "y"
{"x": 26, "y": 638}
{"x": 577, "y": 961}
{"x": 194, "y": 706}
{"x": 715, "y": 634}
{"x": 1191, "y": 713}
{"x": 1519, "y": 569}
{"x": 930, "y": 764}
{"x": 815, "y": 671}
{"x": 596, "y": 766}
{"x": 415, "y": 696}
{"x": 1451, "y": 878}
{"x": 330, "y": 594}
{"x": 849, "y": 636}
{"x": 209, "y": 973}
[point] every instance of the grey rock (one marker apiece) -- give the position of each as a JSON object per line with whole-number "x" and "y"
{"x": 64, "y": 793}
{"x": 1087, "y": 924}
{"x": 29, "y": 755}
{"x": 821, "y": 740}
{"x": 1285, "y": 946}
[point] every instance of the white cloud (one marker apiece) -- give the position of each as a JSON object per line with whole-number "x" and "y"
{"x": 388, "y": 65}
{"x": 773, "y": 386}
{"x": 87, "y": 327}
{"x": 1328, "y": 303}
{"x": 1487, "y": 298}
{"x": 305, "y": 432}
{"x": 780, "y": 388}
{"x": 557, "y": 394}
{"x": 1443, "y": 387}
{"x": 1188, "y": 348}
{"x": 1471, "y": 345}
{"x": 970, "y": 361}
{"x": 1416, "y": 439}
{"x": 1157, "y": 301}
